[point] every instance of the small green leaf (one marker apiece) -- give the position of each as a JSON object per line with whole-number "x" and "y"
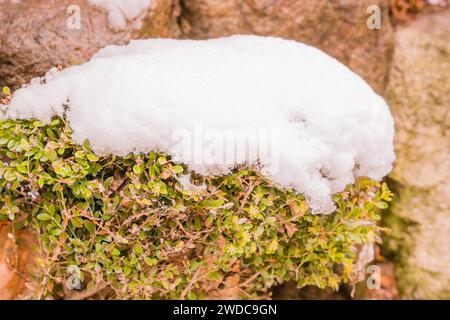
{"x": 381, "y": 205}
{"x": 52, "y": 155}
{"x": 107, "y": 183}
{"x": 6, "y": 91}
{"x": 150, "y": 261}
{"x": 89, "y": 225}
{"x": 215, "y": 275}
{"x": 162, "y": 160}
{"x": 127, "y": 270}
{"x": 77, "y": 222}
{"x": 137, "y": 169}
{"x": 92, "y": 157}
{"x": 86, "y": 144}
{"x": 38, "y": 124}
{"x": 178, "y": 169}
{"x": 138, "y": 249}
{"x": 44, "y": 216}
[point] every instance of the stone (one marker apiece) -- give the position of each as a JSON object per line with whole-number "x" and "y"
{"x": 419, "y": 95}
{"x": 17, "y": 260}
{"x": 34, "y": 35}
{"x": 337, "y": 27}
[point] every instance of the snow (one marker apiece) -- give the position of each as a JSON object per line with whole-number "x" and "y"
{"x": 121, "y": 11}
{"x": 185, "y": 181}
{"x": 323, "y": 125}
{"x": 441, "y": 3}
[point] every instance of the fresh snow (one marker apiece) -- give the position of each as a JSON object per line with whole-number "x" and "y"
{"x": 442, "y": 3}
{"x": 122, "y": 11}
{"x": 331, "y": 126}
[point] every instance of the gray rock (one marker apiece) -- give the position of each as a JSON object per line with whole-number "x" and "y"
{"x": 419, "y": 95}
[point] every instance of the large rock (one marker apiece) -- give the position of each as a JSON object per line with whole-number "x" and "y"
{"x": 419, "y": 96}
{"x": 34, "y": 35}
{"x": 337, "y": 27}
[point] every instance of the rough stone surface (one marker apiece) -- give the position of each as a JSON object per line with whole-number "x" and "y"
{"x": 419, "y": 95}
{"x": 34, "y": 35}
{"x": 17, "y": 256}
{"x": 337, "y": 27}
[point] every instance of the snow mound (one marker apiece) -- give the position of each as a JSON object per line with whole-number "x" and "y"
{"x": 121, "y": 11}
{"x": 325, "y": 125}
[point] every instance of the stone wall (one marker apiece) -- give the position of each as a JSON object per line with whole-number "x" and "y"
{"x": 418, "y": 93}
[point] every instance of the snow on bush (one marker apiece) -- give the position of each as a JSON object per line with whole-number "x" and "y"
{"x": 121, "y": 11}
{"x": 331, "y": 126}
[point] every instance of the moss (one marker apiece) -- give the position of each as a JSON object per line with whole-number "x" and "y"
{"x": 123, "y": 227}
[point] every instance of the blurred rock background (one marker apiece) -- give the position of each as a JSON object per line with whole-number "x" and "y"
{"x": 418, "y": 93}
{"x": 407, "y": 61}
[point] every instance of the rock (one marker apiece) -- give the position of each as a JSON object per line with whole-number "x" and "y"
{"x": 419, "y": 95}
{"x": 17, "y": 257}
{"x": 34, "y": 35}
{"x": 387, "y": 289}
{"x": 337, "y": 27}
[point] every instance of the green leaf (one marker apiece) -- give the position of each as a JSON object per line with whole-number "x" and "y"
{"x": 108, "y": 182}
{"x": 44, "y": 216}
{"x": 86, "y": 145}
{"x": 162, "y": 160}
{"x": 150, "y": 261}
{"x": 267, "y": 202}
{"x": 38, "y": 124}
{"x": 127, "y": 270}
{"x": 178, "y": 169}
{"x": 52, "y": 155}
{"x": 51, "y": 209}
{"x": 77, "y": 222}
{"x": 138, "y": 249}
{"x": 23, "y": 167}
{"x": 137, "y": 169}
{"x": 85, "y": 191}
{"x": 92, "y": 157}
{"x": 80, "y": 154}
{"x": 89, "y": 226}
{"x": 6, "y": 91}
{"x": 115, "y": 252}
{"x": 41, "y": 182}
{"x": 214, "y": 275}
{"x": 381, "y": 205}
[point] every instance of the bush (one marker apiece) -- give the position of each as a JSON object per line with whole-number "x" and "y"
{"x": 124, "y": 227}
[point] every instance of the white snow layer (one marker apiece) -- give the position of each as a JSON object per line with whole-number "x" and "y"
{"x": 121, "y": 11}
{"x": 331, "y": 125}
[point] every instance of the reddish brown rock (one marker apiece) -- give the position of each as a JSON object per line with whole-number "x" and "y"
{"x": 17, "y": 258}
{"x": 34, "y": 35}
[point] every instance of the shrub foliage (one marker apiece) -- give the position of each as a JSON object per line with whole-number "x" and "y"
{"x": 125, "y": 227}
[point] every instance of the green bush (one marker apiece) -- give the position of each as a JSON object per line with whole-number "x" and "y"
{"x": 127, "y": 229}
